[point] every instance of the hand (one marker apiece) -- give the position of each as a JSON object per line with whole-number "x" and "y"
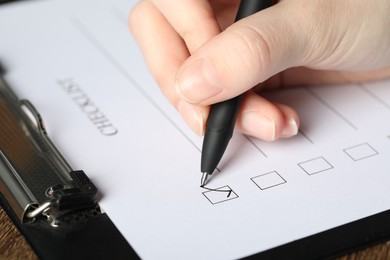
{"x": 198, "y": 57}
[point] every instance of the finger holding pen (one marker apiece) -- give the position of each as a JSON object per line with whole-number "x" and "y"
{"x": 332, "y": 37}
{"x": 166, "y": 35}
{"x": 165, "y": 51}
{"x": 230, "y": 64}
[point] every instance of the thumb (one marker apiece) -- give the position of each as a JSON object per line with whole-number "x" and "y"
{"x": 245, "y": 54}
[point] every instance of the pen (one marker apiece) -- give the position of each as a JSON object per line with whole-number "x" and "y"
{"x": 222, "y": 117}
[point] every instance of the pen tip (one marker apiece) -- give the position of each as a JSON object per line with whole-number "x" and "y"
{"x": 203, "y": 179}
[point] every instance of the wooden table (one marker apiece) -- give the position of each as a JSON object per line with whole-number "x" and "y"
{"x": 12, "y": 243}
{"x": 14, "y": 246}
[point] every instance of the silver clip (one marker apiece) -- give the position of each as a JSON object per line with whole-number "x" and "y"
{"x": 30, "y": 166}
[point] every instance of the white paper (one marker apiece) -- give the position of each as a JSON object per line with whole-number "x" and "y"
{"x": 78, "y": 64}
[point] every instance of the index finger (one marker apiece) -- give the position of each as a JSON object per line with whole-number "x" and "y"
{"x": 194, "y": 20}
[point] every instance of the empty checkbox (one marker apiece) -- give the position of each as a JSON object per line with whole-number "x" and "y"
{"x": 315, "y": 165}
{"x": 361, "y": 151}
{"x": 268, "y": 180}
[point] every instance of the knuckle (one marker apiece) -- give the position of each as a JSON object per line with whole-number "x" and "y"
{"x": 252, "y": 48}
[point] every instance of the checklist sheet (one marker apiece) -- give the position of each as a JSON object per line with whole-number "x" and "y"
{"x": 77, "y": 62}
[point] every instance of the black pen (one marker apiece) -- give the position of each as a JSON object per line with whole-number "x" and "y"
{"x": 222, "y": 117}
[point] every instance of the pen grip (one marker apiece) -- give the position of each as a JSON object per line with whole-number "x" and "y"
{"x": 223, "y": 115}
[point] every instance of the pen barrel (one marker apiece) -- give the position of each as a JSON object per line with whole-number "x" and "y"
{"x": 220, "y": 126}
{"x": 222, "y": 117}
{"x": 249, "y": 7}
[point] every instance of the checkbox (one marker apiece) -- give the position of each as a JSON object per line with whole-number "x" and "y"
{"x": 220, "y": 195}
{"x": 315, "y": 165}
{"x": 361, "y": 151}
{"x": 268, "y": 180}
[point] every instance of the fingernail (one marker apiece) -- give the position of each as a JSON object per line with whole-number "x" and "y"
{"x": 259, "y": 125}
{"x": 290, "y": 128}
{"x": 193, "y": 117}
{"x": 198, "y": 81}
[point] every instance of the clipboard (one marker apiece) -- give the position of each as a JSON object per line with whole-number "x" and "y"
{"x": 82, "y": 238}
{"x": 54, "y": 207}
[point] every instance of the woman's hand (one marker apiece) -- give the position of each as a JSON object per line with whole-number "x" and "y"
{"x": 199, "y": 57}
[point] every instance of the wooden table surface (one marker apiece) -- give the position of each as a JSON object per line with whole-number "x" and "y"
{"x": 14, "y": 246}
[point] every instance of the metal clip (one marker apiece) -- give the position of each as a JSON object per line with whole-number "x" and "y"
{"x": 35, "y": 179}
